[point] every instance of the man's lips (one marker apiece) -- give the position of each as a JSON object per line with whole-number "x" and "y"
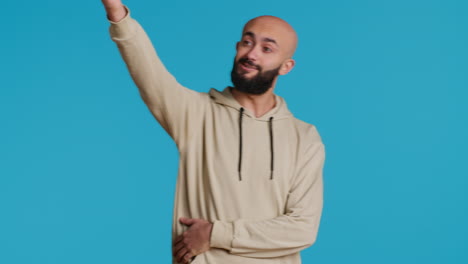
{"x": 247, "y": 67}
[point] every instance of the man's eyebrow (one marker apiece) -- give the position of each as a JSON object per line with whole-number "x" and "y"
{"x": 270, "y": 40}
{"x": 251, "y": 34}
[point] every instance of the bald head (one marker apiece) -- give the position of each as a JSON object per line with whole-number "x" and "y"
{"x": 278, "y": 30}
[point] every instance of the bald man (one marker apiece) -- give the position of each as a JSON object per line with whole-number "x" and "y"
{"x": 250, "y": 186}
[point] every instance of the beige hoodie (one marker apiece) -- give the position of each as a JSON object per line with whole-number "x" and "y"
{"x": 259, "y": 180}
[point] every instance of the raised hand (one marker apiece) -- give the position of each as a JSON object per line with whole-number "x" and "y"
{"x": 115, "y": 9}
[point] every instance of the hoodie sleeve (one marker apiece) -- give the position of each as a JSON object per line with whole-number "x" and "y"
{"x": 174, "y": 106}
{"x": 286, "y": 234}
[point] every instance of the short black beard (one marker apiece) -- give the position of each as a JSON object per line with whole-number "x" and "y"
{"x": 258, "y": 84}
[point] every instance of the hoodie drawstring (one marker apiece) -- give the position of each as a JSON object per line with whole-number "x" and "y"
{"x": 240, "y": 145}
{"x": 271, "y": 144}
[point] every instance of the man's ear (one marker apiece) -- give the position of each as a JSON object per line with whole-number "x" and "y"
{"x": 287, "y": 66}
{"x": 237, "y": 45}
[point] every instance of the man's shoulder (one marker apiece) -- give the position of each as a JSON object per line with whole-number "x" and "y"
{"x": 307, "y": 130}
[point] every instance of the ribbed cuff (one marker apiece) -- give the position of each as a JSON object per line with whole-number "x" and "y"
{"x": 221, "y": 235}
{"x": 123, "y": 28}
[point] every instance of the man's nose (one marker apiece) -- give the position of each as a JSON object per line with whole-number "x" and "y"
{"x": 253, "y": 53}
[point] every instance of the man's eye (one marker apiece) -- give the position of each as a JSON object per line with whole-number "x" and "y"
{"x": 247, "y": 42}
{"x": 267, "y": 49}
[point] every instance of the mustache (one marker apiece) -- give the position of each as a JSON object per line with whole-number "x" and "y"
{"x": 249, "y": 62}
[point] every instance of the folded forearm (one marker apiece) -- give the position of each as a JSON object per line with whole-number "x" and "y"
{"x": 280, "y": 236}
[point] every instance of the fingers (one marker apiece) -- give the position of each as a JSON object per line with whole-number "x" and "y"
{"x": 180, "y": 255}
{"x": 181, "y": 252}
{"x": 183, "y": 255}
{"x": 187, "y": 221}
{"x": 187, "y": 258}
{"x": 177, "y": 247}
{"x": 179, "y": 238}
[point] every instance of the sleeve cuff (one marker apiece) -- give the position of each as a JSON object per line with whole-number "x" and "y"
{"x": 123, "y": 28}
{"x": 221, "y": 235}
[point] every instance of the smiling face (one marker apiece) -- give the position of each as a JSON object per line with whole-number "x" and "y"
{"x": 263, "y": 53}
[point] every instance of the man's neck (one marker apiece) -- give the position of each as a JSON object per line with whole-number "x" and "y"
{"x": 258, "y": 104}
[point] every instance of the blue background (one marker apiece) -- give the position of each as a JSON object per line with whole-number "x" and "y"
{"x": 87, "y": 175}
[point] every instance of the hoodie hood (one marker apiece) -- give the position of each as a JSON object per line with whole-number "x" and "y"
{"x": 280, "y": 111}
{"x": 225, "y": 97}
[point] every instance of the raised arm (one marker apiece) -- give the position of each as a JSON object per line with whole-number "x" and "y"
{"x": 176, "y": 108}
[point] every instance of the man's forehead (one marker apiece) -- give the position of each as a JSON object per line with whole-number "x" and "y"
{"x": 269, "y": 24}
{"x": 272, "y": 28}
